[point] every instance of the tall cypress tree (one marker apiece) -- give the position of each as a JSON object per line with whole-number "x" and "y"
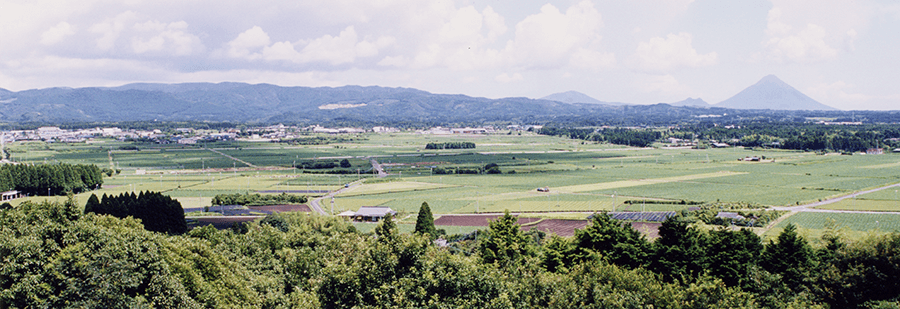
{"x": 425, "y": 221}
{"x": 93, "y": 204}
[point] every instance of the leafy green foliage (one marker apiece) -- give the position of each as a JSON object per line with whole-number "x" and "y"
{"x": 53, "y": 179}
{"x": 158, "y": 213}
{"x": 790, "y": 257}
{"x": 615, "y": 242}
{"x": 451, "y": 145}
{"x": 679, "y": 251}
{"x": 257, "y": 199}
{"x": 51, "y": 256}
{"x": 425, "y": 221}
{"x": 503, "y": 243}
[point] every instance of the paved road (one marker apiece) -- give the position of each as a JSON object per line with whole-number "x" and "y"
{"x": 316, "y": 203}
{"x": 377, "y": 167}
{"x": 810, "y": 207}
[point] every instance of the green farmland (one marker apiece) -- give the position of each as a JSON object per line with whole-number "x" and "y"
{"x": 582, "y": 177}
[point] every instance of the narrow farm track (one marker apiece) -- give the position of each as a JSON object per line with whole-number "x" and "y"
{"x": 233, "y": 158}
{"x": 809, "y": 207}
{"x": 377, "y": 167}
{"x": 316, "y": 203}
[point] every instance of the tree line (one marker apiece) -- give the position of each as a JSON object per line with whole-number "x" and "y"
{"x": 450, "y": 145}
{"x": 257, "y": 199}
{"x": 50, "y": 179}
{"x": 55, "y": 256}
{"x": 620, "y": 136}
{"x": 784, "y": 135}
{"x": 157, "y": 212}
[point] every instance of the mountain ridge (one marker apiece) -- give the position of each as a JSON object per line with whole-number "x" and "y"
{"x": 573, "y": 97}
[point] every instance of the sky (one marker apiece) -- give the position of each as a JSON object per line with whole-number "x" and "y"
{"x": 840, "y": 53}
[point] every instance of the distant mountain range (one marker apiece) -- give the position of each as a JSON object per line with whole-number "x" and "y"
{"x": 240, "y": 102}
{"x": 769, "y": 93}
{"x": 576, "y": 97}
{"x": 698, "y": 102}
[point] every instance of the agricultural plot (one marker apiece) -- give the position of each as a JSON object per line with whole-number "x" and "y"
{"x": 397, "y": 186}
{"x": 864, "y": 205}
{"x": 851, "y": 225}
{"x": 582, "y": 177}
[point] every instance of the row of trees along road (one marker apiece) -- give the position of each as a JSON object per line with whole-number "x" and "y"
{"x": 55, "y": 256}
{"x": 52, "y": 179}
{"x": 157, "y": 212}
{"x": 786, "y": 135}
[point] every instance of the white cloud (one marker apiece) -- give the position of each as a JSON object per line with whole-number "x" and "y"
{"x": 57, "y": 33}
{"x": 171, "y": 38}
{"x": 548, "y": 39}
{"x": 248, "y": 44}
{"x": 672, "y": 52}
{"x": 808, "y": 45}
{"x": 807, "y": 31}
{"x": 506, "y": 78}
{"x": 110, "y": 29}
{"x": 335, "y": 50}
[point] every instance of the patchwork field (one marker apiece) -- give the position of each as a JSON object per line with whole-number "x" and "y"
{"x": 581, "y": 177}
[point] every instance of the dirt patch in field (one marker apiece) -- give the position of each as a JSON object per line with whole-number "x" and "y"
{"x": 474, "y": 220}
{"x": 281, "y": 208}
{"x": 218, "y": 222}
{"x": 559, "y": 227}
{"x": 649, "y": 229}
{"x": 563, "y": 227}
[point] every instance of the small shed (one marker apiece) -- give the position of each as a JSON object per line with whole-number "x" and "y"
{"x": 349, "y": 214}
{"x": 372, "y": 213}
{"x": 10, "y": 195}
{"x": 730, "y": 215}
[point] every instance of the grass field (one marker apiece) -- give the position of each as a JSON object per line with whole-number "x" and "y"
{"x": 812, "y": 225}
{"x": 582, "y": 177}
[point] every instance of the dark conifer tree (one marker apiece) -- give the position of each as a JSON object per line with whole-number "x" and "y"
{"x": 425, "y": 221}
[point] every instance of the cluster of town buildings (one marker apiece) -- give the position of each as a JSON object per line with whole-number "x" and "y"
{"x": 192, "y": 136}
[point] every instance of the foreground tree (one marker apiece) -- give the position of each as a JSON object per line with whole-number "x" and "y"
{"x": 158, "y": 213}
{"x": 791, "y": 256}
{"x": 614, "y": 241}
{"x": 425, "y": 221}
{"x": 503, "y": 242}
{"x": 680, "y": 251}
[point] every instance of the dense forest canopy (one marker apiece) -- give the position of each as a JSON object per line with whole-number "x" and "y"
{"x": 802, "y": 136}
{"x": 50, "y": 179}
{"x": 56, "y": 256}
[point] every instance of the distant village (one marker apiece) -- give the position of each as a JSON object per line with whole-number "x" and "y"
{"x": 190, "y": 136}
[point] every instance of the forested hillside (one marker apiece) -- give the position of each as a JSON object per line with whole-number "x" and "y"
{"x": 55, "y": 256}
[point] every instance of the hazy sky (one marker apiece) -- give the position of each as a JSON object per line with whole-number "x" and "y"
{"x": 841, "y": 53}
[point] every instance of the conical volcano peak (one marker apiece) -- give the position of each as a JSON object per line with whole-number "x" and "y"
{"x": 770, "y": 92}
{"x": 771, "y": 79}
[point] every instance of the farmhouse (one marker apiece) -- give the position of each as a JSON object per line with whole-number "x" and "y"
{"x": 10, "y": 195}
{"x": 730, "y": 215}
{"x": 874, "y": 151}
{"x": 369, "y": 213}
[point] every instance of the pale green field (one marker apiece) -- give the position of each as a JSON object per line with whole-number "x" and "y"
{"x": 813, "y": 225}
{"x": 864, "y": 204}
{"x": 582, "y": 177}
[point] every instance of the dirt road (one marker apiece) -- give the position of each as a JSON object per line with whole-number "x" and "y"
{"x": 810, "y": 207}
